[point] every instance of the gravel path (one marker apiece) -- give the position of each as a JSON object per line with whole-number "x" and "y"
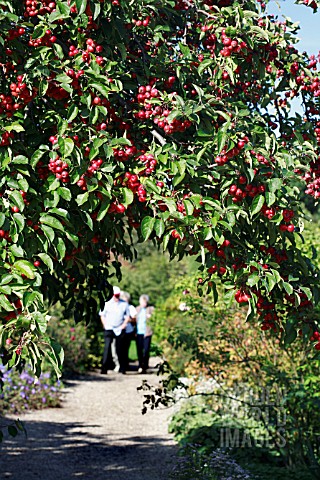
{"x": 99, "y": 434}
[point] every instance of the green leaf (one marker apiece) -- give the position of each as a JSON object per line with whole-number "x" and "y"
{"x": 25, "y": 268}
{"x": 17, "y": 199}
{"x": 94, "y": 151}
{"x": 101, "y": 89}
{"x": 94, "y": 115}
{"x": 221, "y": 139}
{"x": 61, "y": 249}
{"x": 88, "y": 220}
{"x": 97, "y": 10}
{"x": 103, "y": 209}
{"x": 20, "y": 159}
{"x": 271, "y": 281}
{"x": 6, "y": 289}
{"x": 46, "y": 260}
{"x": 43, "y": 87}
{"x": 196, "y": 200}
{"x": 17, "y": 251}
{"x": 230, "y": 71}
{"x": 58, "y": 351}
{"x": 165, "y": 241}
{"x": 52, "y": 222}
{"x": 270, "y": 198}
{"x": 5, "y": 304}
{"x": 251, "y": 312}
{"x": 253, "y": 280}
{"x": 58, "y": 50}
{"x": 274, "y": 184}
{"x": 64, "y": 193}
{"x": 7, "y": 279}
{"x": 38, "y": 154}
{"x": 119, "y": 141}
{"x": 54, "y": 185}
{"x": 127, "y": 196}
{"x": 81, "y": 6}
{"x": 151, "y": 185}
{"x": 23, "y": 184}
{"x": 66, "y": 146}
{"x": 29, "y": 298}
{"x": 82, "y": 198}
{"x": 178, "y": 178}
{"x": 63, "y": 78}
{"x": 243, "y": 113}
{"x": 14, "y": 127}
{"x": 41, "y": 322}
{"x": 307, "y": 291}
{"x": 49, "y": 232}
{"x": 189, "y": 207}
{"x": 204, "y": 65}
{"x": 159, "y": 227}
{"x": 260, "y": 32}
{"x": 288, "y": 288}
{"x": 72, "y": 112}
{"x": 74, "y": 239}
{"x": 257, "y": 204}
{"x": 61, "y": 212}
{"x": 2, "y": 219}
{"x": 147, "y": 227}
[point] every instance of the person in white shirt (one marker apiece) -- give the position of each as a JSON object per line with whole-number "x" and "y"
{"x": 130, "y": 332}
{"x": 114, "y": 317}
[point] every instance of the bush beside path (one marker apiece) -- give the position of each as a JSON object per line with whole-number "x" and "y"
{"x": 99, "y": 434}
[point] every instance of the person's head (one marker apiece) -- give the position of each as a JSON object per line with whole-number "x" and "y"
{"x": 125, "y": 296}
{"x": 116, "y": 293}
{"x": 144, "y": 301}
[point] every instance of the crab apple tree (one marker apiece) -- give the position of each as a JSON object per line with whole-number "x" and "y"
{"x": 168, "y": 119}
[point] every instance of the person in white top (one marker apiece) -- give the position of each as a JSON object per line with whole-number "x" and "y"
{"x": 115, "y": 317}
{"x": 130, "y": 332}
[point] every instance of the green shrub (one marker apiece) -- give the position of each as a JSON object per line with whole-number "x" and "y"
{"x": 75, "y": 342}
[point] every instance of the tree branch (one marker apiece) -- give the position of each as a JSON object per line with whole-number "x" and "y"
{"x": 279, "y": 116}
{"x": 159, "y": 137}
{"x": 145, "y": 57}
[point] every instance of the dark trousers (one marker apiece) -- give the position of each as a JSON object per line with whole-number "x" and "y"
{"x": 107, "y": 362}
{"x": 143, "y": 349}
{"x": 126, "y": 346}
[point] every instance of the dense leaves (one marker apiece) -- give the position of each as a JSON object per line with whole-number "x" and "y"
{"x": 170, "y": 118}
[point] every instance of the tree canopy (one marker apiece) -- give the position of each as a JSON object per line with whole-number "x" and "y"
{"x": 166, "y": 118}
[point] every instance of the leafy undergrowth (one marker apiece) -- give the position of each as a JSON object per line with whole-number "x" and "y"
{"x": 217, "y": 466}
{"x": 201, "y": 432}
{"x": 262, "y": 471}
{"x": 220, "y": 465}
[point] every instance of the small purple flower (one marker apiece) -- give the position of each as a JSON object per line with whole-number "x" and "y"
{"x": 22, "y": 391}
